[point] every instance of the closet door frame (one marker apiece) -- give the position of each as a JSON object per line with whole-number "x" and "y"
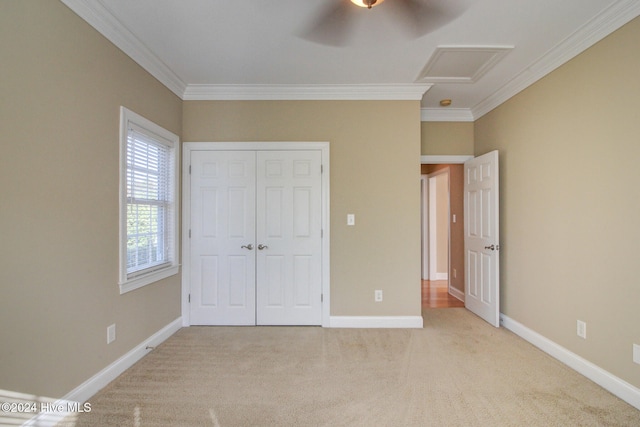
{"x": 323, "y": 147}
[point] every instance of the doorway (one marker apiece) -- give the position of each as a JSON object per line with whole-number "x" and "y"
{"x": 435, "y": 240}
{"x": 449, "y": 291}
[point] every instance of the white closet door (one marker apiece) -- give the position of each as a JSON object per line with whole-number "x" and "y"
{"x": 222, "y": 266}
{"x": 289, "y": 241}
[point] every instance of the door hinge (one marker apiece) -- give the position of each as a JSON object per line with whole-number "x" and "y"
{"x": 321, "y": 169}
{"x": 321, "y": 233}
{"x": 189, "y": 297}
{"x": 321, "y": 297}
{"x": 189, "y": 169}
{"x": 189, "y": 233}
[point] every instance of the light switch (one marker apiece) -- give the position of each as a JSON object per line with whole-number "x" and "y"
{"x": 351, "y": 219}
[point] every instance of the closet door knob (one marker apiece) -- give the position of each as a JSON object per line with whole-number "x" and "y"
{"x": 249, "y": 246}
{"x": 261, "y": 247}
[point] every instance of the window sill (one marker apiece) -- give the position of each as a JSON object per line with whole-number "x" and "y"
{"x": 148, "y": 279}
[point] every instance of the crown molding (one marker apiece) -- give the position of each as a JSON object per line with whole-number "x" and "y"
{"x": 612, "y": 18}
{"x": 396, "y": 92}
{"x": 100, "y": 18}
{"x": 446, "y": 115}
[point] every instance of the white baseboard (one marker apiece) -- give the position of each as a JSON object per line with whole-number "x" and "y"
{"x": 84, "y": 391}
{"x": 375, "y": 322}
{"x": 456, "y": 293}
{"x": 605, "y": 379}
{"x": 439, "y": 276}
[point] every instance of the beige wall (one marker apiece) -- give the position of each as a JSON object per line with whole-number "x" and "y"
{"x": 373, "y": 145}
{"x": 569, "y": 147}
{"x": 61, "y": 86}
{"x": 446, "y": 138}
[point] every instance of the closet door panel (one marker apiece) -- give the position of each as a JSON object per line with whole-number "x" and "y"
{"x": 222, "y": 230}
{"x": 289, "y": 237}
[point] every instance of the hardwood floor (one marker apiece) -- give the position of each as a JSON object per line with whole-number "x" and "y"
{"x": 435, "y": 294}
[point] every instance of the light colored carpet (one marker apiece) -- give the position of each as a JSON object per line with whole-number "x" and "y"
{"x": 457, "y": 371}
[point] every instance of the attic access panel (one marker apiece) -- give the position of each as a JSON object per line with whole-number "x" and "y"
{"x": 461, "y": 64}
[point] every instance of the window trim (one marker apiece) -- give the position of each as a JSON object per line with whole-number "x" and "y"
{"x": 126, "y": 282}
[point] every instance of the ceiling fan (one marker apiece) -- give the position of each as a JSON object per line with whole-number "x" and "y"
{"x": 335, "y": 22}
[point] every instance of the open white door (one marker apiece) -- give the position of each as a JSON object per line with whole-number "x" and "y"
{"x": 481, "y": 237}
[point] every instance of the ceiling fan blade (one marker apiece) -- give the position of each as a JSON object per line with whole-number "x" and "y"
{"x": 333, "y": 25}
{"x": 424, "y": 16}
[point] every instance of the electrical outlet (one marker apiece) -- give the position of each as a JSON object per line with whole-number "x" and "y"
{"x": 377, "y": 296}
{"x": 455, "y": 273}
{"x": 111, "y": 333}
{"x": 582, "y": 329}
{"x": 636, "y": 354}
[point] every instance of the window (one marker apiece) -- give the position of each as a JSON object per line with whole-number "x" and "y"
{"x": 148, "y": 202}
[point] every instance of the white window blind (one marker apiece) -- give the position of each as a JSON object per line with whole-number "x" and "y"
{"x": 149, "y": 202}
{"x": 148, "y": 211}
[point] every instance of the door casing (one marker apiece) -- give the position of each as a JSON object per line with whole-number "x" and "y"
{"x": 252, "y": 146}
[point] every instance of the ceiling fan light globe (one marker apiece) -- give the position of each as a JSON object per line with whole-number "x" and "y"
{"x": 366, "y": 3}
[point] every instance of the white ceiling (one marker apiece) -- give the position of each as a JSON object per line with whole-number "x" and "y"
{"x": 257, "y": 49}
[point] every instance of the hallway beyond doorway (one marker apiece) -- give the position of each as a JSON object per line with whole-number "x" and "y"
{"x": 435, "y": 294}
